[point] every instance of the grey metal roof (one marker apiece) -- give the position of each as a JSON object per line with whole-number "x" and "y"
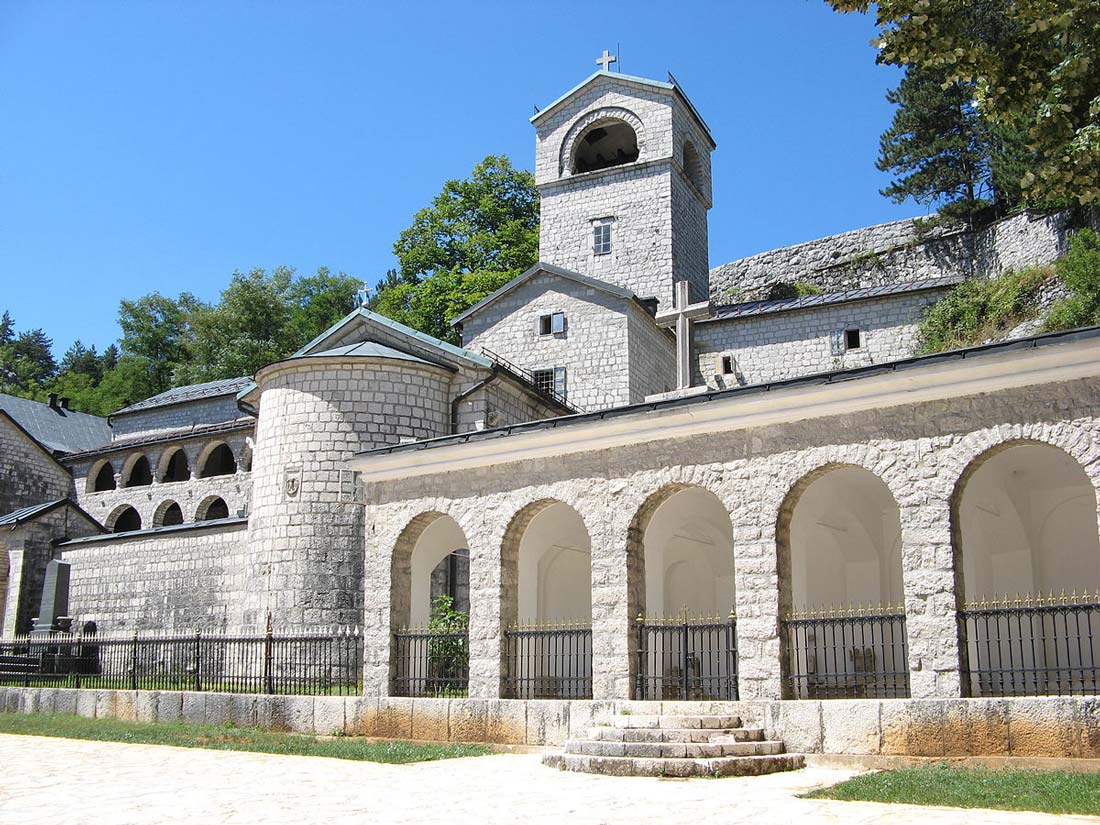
{"x": 821, "y": 378}
{"x": 60, "y": 431}
{"x": 164, "y": 436}
{"x": 24, "y": 514}
{"x": 192, "y": 392}
{"x": 174, "y": 528}
{"x": 586, "y": 280}
{"x": 367, "y": 349}
{"x": 752, "y": 308}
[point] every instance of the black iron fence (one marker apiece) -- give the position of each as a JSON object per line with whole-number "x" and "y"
{"x": 432, "y": 663}
{"x": 688, "y": 658}
{"x": 849, "y": 653}
{"x": 317, "y": 663}
{"x": 1031, "y": 646}
{"x": 552, "y": 661}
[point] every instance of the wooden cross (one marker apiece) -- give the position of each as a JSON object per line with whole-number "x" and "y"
{"x": 605, "y": 60}
{"x": 680, "y": 316}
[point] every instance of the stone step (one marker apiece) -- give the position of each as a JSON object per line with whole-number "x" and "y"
{"x": 673, "y": 750}
{"x": 641, "y": 766}
{"x": 639, "y": 721}
{"x": 708, "y": 735}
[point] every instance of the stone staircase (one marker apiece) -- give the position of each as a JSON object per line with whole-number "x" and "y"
{"x": 674, "y": 746}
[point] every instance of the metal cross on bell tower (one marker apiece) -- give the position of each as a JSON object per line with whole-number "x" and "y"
{"x": 605, "y": 60}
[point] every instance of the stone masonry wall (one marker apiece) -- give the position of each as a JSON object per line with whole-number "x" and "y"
{"x": 305, "y": 530}
{"x": 897, "y": 253}
{"x": 207, "y": 411}
{"x": 920, "y": 452}
{"x": 592, "y": 349}
{"x": 791, "y": 344}
{"x": 190, "y": 577}
{"x": 28, "y": 475}
{"x": 656, "y": 233}
{"x": 149, "y": 500}
{"x": 652, "y": 355}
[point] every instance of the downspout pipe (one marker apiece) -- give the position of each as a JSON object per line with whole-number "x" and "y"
{"x": 458, "y": 399}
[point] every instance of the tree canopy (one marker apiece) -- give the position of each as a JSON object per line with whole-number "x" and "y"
{"x": 1033, "y": 64}
{"x": 478, "y": 233}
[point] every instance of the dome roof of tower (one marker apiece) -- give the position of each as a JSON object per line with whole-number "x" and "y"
{"x": 367, "y": 349}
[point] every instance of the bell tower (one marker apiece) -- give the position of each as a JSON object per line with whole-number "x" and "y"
{"x": 623, "y": 169}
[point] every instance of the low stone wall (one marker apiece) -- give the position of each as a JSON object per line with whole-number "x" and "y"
{"x": 1024, "y": 727}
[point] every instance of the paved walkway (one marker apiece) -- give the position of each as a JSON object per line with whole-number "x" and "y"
{"x": 52, "y": 781}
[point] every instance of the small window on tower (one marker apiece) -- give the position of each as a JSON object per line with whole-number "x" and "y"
{"x": 727, "y": 365}
{"x": 853, "y": 339}
{"x": 601, "y": 238}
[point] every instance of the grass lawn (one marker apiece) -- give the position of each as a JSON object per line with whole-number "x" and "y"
{"x": 1055, "y": 792}
{"x": 228, "y": 738}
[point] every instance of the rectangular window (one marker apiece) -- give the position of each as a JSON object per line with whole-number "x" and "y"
{"x": 551, "y": 381}
{"x": 727, "y": 365}
{"x": 601, "y": 238}
{"x": 852, "y": 339}
{"x": 552, "y": 324}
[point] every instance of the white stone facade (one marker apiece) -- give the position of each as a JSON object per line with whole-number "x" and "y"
{"x": 612, "y": 352}
{"x": 657, "y": 207}
{"x": 775, "y": 347}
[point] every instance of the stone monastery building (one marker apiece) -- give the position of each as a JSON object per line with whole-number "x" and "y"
{"x": 715, "y": 489}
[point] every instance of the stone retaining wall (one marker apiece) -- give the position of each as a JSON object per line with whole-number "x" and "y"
{"x": 1031, "y": 727}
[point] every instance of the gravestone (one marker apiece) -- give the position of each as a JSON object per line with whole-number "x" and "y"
{"x": 55, "y": 597}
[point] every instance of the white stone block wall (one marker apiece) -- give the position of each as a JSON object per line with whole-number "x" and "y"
{"x": 897, "y": 252}
{"x": 190, "y": 578}
{"x": 593, "y": 349}
{"x": 305, "y": 541}
{"x": 652, "y": 355}
{"x": 918, "y": 458}
{"x": 28, "y": 474}
{"x": 778, "y": 346}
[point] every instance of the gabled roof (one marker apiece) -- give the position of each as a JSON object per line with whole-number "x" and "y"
{"x": 550, "y": 269}
{"x": 59, "y": 431}
{"x": 25, "y": 514}
{"x": 672, "y": 86}
{"x": 753, "y": 308}
{"x": 182, "y": 395}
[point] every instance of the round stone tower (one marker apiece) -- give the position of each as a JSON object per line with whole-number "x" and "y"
{"x": 305, "y": 529}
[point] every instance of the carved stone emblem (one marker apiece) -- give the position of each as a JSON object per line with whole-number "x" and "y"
{"x": 292, "y": 480}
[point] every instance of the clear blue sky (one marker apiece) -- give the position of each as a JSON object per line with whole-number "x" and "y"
{"x": 161, "y": 146}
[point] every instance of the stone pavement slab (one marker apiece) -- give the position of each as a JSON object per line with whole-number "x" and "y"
{"x": 49, "y": 781}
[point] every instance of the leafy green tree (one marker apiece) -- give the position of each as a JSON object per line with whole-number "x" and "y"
{"x": 477, "y": 234}
{"x": 1079, "y": 270}
{"x": 1033, "y": 63}
{"x": 156, "y": 328}
{"x": 319, "y": 301}
{"x": 26, "y": 359}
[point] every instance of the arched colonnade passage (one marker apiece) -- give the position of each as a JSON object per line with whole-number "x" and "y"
{"x": 855, "y": 573}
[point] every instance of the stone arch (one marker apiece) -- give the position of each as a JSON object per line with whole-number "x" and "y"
{"x": 839, "y": 554}
{"x": 599, "y": 118}
{"x": 101, "y": 477}
{"x": 1024, "y": 526}
{"x": 210, "y": 508}
{"x": 136, "y": 472}
{"x": 546, "y": 578}
{"x": 216, "y": 459}
{"x": 173, "y": 466}
{"x": 123, "y": 519}
{"x": 167, "y": 514}
{"x": 692, "y": 165}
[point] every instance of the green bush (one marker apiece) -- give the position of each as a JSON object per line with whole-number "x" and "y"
{"x": 977, "y": 310}
{"x": 1079, "y": 270}
{"x": 785, "y": 289}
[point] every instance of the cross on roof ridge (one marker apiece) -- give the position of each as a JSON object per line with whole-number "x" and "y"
{"x": 606, "y": 59}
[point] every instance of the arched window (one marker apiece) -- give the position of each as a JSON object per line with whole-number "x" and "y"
{"x": 213, "y": 507}
{"x": 693, "y": 167}
{"x": 124, "y": 520}
{"x": 140, "y": 475}
{"x": 606, "y": 144}
{"x": 177, "y": 468}
{"x": 104, "y": 479}
{"x": 219, "y": 462}
{"x": 168, "y": 514}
